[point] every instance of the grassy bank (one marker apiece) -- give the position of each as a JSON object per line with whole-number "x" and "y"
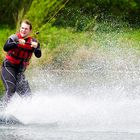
{"x": 63, "y": 46}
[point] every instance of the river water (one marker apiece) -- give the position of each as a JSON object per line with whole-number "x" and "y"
{"x": 101, "y": 102}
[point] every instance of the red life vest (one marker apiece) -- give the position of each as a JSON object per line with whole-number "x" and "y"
{"x": 21, "y": 54}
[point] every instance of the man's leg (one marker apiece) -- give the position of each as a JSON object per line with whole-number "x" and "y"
{"x": 8, "y": 75}
{"x": 22, "y": 86}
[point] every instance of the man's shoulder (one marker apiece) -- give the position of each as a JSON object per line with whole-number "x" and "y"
{"x": 14, "y": 37}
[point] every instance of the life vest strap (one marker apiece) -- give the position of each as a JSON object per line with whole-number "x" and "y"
{"x": 24, "y": 49}
{"x": 18, "y": 58}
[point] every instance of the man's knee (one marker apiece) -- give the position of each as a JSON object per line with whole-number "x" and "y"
{"x": 23, "y": 89}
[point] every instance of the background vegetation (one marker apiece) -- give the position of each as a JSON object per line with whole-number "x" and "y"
{"x": 71, "y": 29}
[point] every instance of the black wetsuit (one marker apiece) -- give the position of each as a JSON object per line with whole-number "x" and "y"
{"x": 13, "y": 74}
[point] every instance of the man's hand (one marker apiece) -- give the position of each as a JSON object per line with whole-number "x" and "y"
{"x": 21, "y": 41}
{"x": 34, "y": 44}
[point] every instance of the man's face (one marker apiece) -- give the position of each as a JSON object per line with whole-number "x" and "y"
{"x": 25, "y": 30}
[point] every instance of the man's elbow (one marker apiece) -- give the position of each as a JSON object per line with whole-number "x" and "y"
{"x": 5, "y": 48}
{"x": 38, "y": 54}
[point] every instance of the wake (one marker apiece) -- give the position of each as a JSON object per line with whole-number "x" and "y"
{"x": 89, "y": 113}
{"x": 103, "y": 96}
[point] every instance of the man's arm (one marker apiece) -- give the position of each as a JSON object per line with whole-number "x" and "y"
{"x": 37, "y": 51}
{"x": 11, "y": 43}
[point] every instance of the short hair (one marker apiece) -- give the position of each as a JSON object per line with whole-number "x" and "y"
{"x": 27, "y": 22}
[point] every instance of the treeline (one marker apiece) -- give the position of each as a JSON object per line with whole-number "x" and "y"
{"x": 117, "y": 7}
{"x": 11, "y": 12}
{"x": 109, "y": 10}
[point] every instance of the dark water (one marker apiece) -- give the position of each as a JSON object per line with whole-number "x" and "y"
{"x": 50, "y": 133}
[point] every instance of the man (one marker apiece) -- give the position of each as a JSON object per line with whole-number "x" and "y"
{"x": 19, "y": 48}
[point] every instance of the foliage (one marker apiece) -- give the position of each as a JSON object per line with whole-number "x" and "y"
{"x": 73, "y": 17}
{"x": 12, "y": 12}
{"x": 89, "y": 5}
{"x": 104, "y": 9}
{"x": 1, "y": 88}
{"x": 64, "y": 46}
{"x": 41, "y": 12}
{"x": 5, "y": 31}
{"x": 71, "y": 35}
